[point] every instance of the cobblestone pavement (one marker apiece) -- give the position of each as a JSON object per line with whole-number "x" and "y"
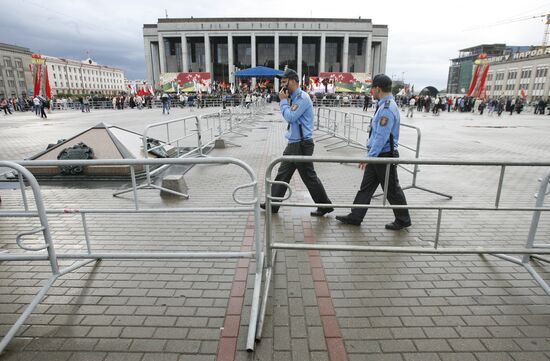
{"x": 324, "y": 305}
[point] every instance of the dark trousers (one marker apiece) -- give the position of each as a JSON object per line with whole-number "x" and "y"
{"x": 374, "y": 176}
{"x": 306, "y": 170}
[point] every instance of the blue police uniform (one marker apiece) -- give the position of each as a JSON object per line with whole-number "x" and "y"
{"x": 386, "y": 122}
{"x": 382, "y": 142}
{"x": 299, "y": 115}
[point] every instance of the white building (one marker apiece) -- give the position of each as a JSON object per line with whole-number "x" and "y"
{"x": 220, "y": 45}
{"x": 83, "y": 77}
{"x": 528, "y": 70}
{"x": 15, "y": 74}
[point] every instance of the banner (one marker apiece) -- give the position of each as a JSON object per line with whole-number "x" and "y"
{"x": 188, "y": 82}
{"x": 477, "y": 88}
{"x": 347, "y": 82}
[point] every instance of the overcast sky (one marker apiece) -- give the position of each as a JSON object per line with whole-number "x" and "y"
{"x": 423, "y": 35}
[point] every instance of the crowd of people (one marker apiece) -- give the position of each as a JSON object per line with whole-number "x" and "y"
{"x": 418, "y": 103}
{"x": 465, "y": 104}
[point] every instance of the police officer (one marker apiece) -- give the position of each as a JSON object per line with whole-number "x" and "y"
{"x": 298, "y": 113}
{"x": 383, "y": 141}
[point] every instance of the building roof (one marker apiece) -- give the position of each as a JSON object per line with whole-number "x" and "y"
{"x": 78, "y": 62}
{"x": 11, "y": 47}
{"x": 225, "y": 20}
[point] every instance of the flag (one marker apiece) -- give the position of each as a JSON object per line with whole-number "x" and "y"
{"x": 523, "y": 94}
{"x": 47, "y": 81}
{"x": 480, "y": 76}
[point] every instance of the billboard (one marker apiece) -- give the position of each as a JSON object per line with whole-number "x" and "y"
{"x": 187, "y": 82}
{"x": 346, "y": 82}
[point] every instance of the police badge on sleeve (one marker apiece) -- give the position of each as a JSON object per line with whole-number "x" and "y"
{"x": 294, "y": 107}
{"x": 383, "y": 121}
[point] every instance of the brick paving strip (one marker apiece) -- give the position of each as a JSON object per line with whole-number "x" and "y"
{"x": 227, "y": 347}
{"x": 331, "y": 327}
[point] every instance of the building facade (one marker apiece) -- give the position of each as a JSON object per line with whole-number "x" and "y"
{"x": 221, "y": 46}
{"x": 520, "y": 74}
{"x": 15, "y": 74}
{"x": 460, "y": 70}
{"x": 83, "y": 77}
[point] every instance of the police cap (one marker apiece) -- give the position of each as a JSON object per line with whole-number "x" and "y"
{"x": 289, "y": 74}
{"x": 382, "y": 81}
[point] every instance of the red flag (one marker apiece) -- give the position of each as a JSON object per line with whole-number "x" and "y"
{"x": 523, "y": 95}
{"x": 474, "y": 81}
{"x": 48, "y": 88}
{"x": 36, "y": 80}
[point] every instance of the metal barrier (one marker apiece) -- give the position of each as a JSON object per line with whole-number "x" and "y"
{"x": 530, "y": 250}
{"x": 221, "y": 122}
{"x": 48, "y": 252}
{"x": 355, "y": 134}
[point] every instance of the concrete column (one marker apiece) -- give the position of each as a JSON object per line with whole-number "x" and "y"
{"x": 184, "y": 58}
{"x": 155, "y": 64}
{"x": 345, "y": 53}
{"x": 207, "y": 57}
{"x": 531, "y": 86}
{"x": 230, "y": 59}
{"x": 253, "y": 55}
{"x": 383, "y": 55}
{"x": 376, "y": 59}
{"x": 322, "y": 54}
{"x": 148, "y": 60}
{"x": 368, "y": 56}
{"x": 299, "y": 56}
{"x": 276, "y": 58}
{"x": 162, "y": 54}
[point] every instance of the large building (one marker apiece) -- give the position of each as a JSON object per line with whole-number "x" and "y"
{"x": 15, "y": 74}
{"x": 461, "y": 68}
{"x": 83, "y": 77}
{"x": 523, "y": 73}
{"x": 220, "y": 45}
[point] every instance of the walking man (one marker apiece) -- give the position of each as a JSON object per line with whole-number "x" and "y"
{"x": 299, "y": 116}
{"x": 382, "y": 143}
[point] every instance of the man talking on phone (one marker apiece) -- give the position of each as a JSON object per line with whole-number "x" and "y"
{"x": 297, "y": 110}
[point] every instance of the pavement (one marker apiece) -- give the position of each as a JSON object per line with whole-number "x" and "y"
{"x": 323, "y": 305}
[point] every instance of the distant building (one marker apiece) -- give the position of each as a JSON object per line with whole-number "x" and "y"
{"x": 220, "y": 45}
{"x": 524, "y": 72}
{"x": 461, "y": 68}
{"x": 15, "y": 74}
{"x": 83, "y": 77}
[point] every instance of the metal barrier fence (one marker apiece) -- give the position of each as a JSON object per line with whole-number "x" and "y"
{"x": 531, "y": 249}
{"x": 208, "y": 129}
{"x": 47, "y": 252}
{"x": 352, "y": 130}
{"x": 339, "y": 103}
{"x": 175, "y": 103}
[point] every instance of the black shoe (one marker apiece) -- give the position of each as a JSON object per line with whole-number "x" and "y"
{"x": 349, "y": 220}
{"x": 396, "y": 226}
{"x": 273, "y": 210}
{"x": 321, "y": 212}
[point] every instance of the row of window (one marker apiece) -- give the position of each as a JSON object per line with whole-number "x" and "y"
{"x": 11, "y": 83}
{"x": 8, "y": 63}
{"x": 80, "y": 77}
{"x": 525, "y": 74}
{"x": 499, "y": 87}
{"x": 86, "y": 85}
{"x": 86, "y": 71}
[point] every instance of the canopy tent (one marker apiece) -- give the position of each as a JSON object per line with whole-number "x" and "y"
{"x": 258, "y": 72}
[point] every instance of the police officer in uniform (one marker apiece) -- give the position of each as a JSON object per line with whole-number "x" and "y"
{"x": 383, "y": 141}
{"x": 298, "y": 113}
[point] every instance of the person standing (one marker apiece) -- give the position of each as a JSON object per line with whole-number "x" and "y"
{"x": 165, "y": 106}
{"x": 382, "y": 143}
{"x": 412, "y": 104}
{"x": 300, "y": 116}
